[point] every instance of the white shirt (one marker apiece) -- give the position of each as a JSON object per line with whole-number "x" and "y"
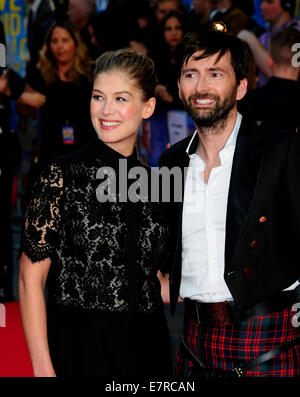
{"x": 203, "y": 226}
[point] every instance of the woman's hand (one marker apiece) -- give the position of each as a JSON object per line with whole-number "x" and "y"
{"x": 165, "y": 287}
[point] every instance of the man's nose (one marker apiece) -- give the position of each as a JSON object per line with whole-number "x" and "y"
{"x": 202, "y": 84}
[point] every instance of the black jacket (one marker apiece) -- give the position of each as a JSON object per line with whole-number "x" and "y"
{"x": 263, "y": 215}
{"x": 277, "y": 103}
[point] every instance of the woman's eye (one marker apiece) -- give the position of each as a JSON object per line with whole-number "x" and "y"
{"x": 97, "y": 97}
{"x": 120, "y": 99}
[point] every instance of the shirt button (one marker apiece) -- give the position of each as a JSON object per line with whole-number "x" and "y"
{"x": 246, "y": 271}
{"x": 263, "y": 219}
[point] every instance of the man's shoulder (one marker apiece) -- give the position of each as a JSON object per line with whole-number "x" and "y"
{"x": 175, "y": 152}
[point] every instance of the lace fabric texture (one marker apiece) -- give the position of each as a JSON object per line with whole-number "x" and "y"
{"x": 86, "y": 240}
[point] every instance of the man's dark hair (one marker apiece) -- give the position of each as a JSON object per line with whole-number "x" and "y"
{"x": 212, "y": 42}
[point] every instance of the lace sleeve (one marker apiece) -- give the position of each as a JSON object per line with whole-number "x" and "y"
{"x": 42, "y": 216}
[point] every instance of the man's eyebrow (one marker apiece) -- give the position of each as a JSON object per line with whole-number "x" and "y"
{"x": 185, "y": 70}
{"x": 217, "y": 69}
{"x": 211, "y": 69}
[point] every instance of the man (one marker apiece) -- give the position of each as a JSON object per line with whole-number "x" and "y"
{"x": 236, "y": 233}
{"x": 233, "y": 17}
{"x": 80, "y": 13}
{"x": 41, "y": 15}
{"x": 277, "y": 102}
{"x": 200, "y": 12}
{"x": 163, "y": 7}
{"x": 10, "y": 156}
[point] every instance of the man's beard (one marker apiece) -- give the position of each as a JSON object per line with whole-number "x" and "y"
{"x": 214, "y": 118}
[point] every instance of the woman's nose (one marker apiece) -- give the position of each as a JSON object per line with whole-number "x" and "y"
{"x": 107, "y": 107}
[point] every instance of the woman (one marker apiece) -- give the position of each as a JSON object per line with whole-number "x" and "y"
{"x": 63, "y": 74}
{"x": 100, "y": 259}
{"x": 172, "y": 29}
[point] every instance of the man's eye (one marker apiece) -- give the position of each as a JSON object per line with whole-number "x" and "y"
{"x": 189, "y": 75}
{"x": 216, "y": 74}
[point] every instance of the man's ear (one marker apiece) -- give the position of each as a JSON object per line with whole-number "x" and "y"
{"x": 149, "y": 108}
{"x": 242, "y": 89}
{"x": 179, "y": 92}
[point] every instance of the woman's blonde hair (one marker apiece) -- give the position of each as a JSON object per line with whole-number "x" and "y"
{"x": 138, "y": 67}
{"x": 82, "y": 65}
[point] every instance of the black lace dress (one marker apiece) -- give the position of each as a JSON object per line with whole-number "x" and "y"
{"x": 105, "y": 312}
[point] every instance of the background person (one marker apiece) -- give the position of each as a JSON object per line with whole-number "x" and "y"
{"x": 172, "y": 29}
{"x": 63, "y": 75}
{"x": 277, "y": 102}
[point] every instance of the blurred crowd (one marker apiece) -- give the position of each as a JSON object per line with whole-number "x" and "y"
{"x": 66, "y": 37}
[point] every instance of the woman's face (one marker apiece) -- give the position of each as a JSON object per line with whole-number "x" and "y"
{"x": 173, "y": 32}
{"x": 117, "y": 110}
{"x": 62, "y": 46}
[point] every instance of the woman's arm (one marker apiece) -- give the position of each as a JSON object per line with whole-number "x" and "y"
{"x": 32, "y": 280}
{"x": 259, "y": 53}
{"x": 32, "y": 97}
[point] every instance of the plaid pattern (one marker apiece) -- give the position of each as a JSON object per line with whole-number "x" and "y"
{"x": 231, "y": 346}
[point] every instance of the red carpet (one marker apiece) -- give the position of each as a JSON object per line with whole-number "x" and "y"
{"x": 14, "y": 356}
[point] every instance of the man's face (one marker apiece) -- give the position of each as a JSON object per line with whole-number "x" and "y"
{"x": 201, "y": 6}
{"x": 164, "y": 9}
{"x": 271, "y": 10}
{"x": 208, "y": 89}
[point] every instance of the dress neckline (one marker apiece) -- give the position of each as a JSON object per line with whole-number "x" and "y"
{"x": 100, "y": 149}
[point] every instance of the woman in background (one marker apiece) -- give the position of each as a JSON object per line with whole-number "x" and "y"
{"x": 100, "y": 259}
{"x": 63, "y": 74}
{"x": 172, "y": 28}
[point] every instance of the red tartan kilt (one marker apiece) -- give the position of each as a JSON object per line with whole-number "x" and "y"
{"x": 231, "y": 346}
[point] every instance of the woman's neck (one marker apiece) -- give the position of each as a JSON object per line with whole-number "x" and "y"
{"x": 63, "y": 70}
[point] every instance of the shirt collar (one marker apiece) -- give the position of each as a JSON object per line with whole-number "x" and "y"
{"x": 231, "y": 141}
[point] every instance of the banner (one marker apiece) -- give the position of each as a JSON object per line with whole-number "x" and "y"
{"x": 14, "y": 22}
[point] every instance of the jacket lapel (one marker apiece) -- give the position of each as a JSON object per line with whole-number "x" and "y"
{"x": 247, "y": 163}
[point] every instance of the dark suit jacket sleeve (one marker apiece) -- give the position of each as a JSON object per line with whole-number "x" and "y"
{"x": 293, "y": 182}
